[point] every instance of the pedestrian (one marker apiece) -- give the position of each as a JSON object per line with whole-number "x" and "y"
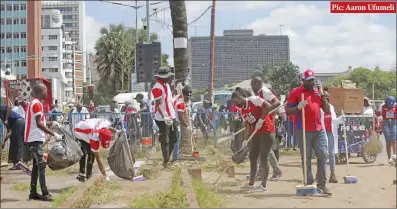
{"x": 236, "y": 124}
{"x": 164, "y": 113}
{"x": 367, "y": 109}
{"x": 92, "y": 133}
{"x": 19, "y": 106}
{"x": 35, "y": 133}
{"x": 314, "y": 101}
{"x": 389, "y": 115}
{"x": 269, "y": 122}
{"x": 146, "y": 117}
{"x": 79, "y": 113}
{"x": 16, "y": 125}
{"x": 254, "y": 112}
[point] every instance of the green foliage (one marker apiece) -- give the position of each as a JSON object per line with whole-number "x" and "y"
{"x": 285, "y": 77}
{"x": 384, "y": 81}
{"x": 164, "y": 60}
{"x": 102, "y": 95}
{"x": 263, "y": 71}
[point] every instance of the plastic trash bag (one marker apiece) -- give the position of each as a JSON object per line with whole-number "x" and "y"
{"x": 120, "y": 158}
{"x": 65, "y": 152}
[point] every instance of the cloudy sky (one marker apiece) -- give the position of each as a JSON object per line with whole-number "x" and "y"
{"x": 319, "y": 40}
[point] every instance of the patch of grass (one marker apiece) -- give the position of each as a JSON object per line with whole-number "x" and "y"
{"x": 175, "y": 197}
{"x": 4, "y": 155}
{"x": 63, "y": 196}
{"x": 67, "y": 171}
{"x": 87, "y": 198}
{"x": 150, "y": 172}
{"x": 289, "y": 152}
{"x": 22, "y": 187}
{"x": 206, "y": 197}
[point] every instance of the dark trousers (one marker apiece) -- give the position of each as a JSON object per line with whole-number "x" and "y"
{"x": 87, "y": 160}
{"x": 16, "y": 141}
{"x": 261, "y": 145}
{"x": 168, "y": 136}
{"x": 38, "y": 170}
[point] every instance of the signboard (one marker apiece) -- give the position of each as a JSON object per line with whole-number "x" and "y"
{"x": 358, "y": 131}
{"x": 19, "y": 88}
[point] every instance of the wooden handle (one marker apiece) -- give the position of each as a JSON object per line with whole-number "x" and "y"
{"x": 304, "y": 143}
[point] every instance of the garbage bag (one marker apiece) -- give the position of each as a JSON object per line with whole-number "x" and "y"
{"x": 65, "y": 152}
{"x": 120, "y": 158}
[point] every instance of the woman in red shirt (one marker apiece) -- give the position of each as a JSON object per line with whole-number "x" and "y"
{"x": 254, "y": 110}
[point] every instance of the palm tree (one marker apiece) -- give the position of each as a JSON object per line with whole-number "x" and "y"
{"x": 179, "y": 28}
{"x": 115, "y": 56}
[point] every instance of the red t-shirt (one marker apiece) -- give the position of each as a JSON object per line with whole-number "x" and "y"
{"x": 292, "y": 118}
{"x": 252, "y": 111}
{"x": 312, "y": 109}
{"x": 389, "y": 113}
{"x": 235, "y": 108}
{"x": 328, "y": 122}
{"x": 268, "y": 96}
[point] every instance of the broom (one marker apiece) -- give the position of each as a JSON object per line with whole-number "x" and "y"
{"x": 303, "y": 190}
{"x": 374, "y": 145}
{"x": 348, "y": 179}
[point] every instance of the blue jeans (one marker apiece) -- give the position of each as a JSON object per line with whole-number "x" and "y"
{"x": 331, "y": 150}
{"x": 290, "y": 134}
{"x": 319, "y": 142}
{"x": 175, "y": 154}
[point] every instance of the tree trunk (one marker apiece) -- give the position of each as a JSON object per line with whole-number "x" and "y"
{"x": 179, "y": 28}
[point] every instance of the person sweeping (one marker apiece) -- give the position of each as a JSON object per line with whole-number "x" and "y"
{"x": 254, "y": 111}
{"x": 389, "y": 115}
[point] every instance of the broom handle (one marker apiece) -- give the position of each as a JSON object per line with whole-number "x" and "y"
{"x": 304, "y": 143}
{"x": 346, "y": 147}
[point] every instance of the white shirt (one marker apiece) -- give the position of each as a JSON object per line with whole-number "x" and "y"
{"x": 32, "y": 132}
{"x": 87, "y": 130}
{"x": 335, "y": 124}
{"x": 163, "y": 92}
{"x": 19, "y": 110}
{"x": 368, "y": 110}
{"x": 76, "y": 118}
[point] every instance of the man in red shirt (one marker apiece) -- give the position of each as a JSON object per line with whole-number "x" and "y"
{"x": 314, "y": 100}
{"x": 389, "y": 115}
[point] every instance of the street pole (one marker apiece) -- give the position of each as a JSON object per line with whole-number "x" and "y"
{"x": 147, "y": 86}
{"x": 136, "y": 39}
{"x": 212, "y": 56}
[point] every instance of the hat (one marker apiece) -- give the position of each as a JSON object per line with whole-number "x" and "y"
{"x": 187, "y": 91}
{"x": 105, "y": 136}
{"x": 390, "y": 101}
{"x": 92, "y": 105}
{"x": 164, "y": 72}
{"x": 308, "y": 74}
{"x": 139, "y": 95}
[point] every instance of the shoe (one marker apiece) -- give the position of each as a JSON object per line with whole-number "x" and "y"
{"x": 276, "y": 176}
{"x": 323, "y": 190}
{"x": 35, "y": 196}
{"x": 168, "y": 165}
{"x": 47, "y": 197}
{"x": 247, "y": 187}
{"x": 81, "y": 178}
{"x": 332, "y": 178}
{"x": 258, "y": 188}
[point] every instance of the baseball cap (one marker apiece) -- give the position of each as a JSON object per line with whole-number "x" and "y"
{"x": 308, "y": 74}
{"x": 139, "y": 95}
{"x": 105, "y": 136}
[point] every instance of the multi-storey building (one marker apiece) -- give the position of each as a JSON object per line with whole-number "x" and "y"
{"x": 237, "y": 55}
{"x": 73, "y": 14}
{"x": 20, "y": 35}
{"x": 78, "y": 81}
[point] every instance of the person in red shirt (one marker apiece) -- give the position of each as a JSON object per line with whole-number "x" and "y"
{"x": 236, "y": 124}
{"x": 314, "y": 100}
{"x": 254, "y": 112}
{"x": 389, "y": 115}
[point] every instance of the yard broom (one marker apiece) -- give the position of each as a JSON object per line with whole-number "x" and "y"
{"x": 303, "y": 190}
{"x": 374, "y": 145}
{"x": 348, "y": 179}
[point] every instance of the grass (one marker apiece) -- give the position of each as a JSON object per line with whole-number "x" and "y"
{"x": 175, "y": 197}
{"x": 206, "y": 197}
{"x": 289, "y": 152}
{"x": 23, "y": 187}
{"x": 63, "y": 196}
{"x": 67, "y": 171}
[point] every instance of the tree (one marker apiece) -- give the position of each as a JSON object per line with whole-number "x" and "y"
{"x": 179, "y": 30}
{"x": 263, "y": 71}
{"x": 285, "y": 77}
{"x": 164, "y": 60}
{"x": 102, "y": 95}
{"x": 115, "y": 51}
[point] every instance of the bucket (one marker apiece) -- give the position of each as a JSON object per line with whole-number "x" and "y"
{"x": 196, "y": 154}
{"x": 147, "y": 142}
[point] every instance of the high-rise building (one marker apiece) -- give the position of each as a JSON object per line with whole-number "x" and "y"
{"x": 73, "y": 14}
{"x": 20, "y": 35}
{"x": 237, "y": 55}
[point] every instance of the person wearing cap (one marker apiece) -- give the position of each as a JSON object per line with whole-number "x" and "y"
{"x": 367, "y": 109}
{"x": 314, "y": 100}
{"x": 389, "y": 115}
{"x": 164, "y": 113}
{"x": 146, "y": 117}
{"x": 92, "y": 134}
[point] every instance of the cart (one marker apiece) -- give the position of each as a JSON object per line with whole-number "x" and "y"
{"x": 358, "y": 133}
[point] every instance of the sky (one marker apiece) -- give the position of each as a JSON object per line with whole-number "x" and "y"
{"x": 319, "y": 40}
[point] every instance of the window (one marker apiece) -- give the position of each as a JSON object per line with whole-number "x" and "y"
{"x": 23, "y": 63}
{"x": 24, "y": 76}
{"x": 16, "y": 35}
{"x": 44, "y": 69}
{"x": 52, "y": 48}
{"x": 23, "y": 34}
{"x": 2, "y": 7}
{"x": 42, "y": 48}
{"x": 2, "y": 50}
{"x": 2, "y": 35}
{"x": 16, "y": 21}
{"x": 9, "y": 49}
{"x": 23, "y": 6}
{"x": 42, "y": 59}
{"x": 9, "y": 35}
{"x": 1, "y": 21}
{"x": 53, "y": 70}
{"x": 16, "y": 64}
{"x": 23, "y": 20}
{"x": 16, "y": 6}
{"x": 23, "y": 48}
{"x": 16, "y": 48}
{"x": 9, "y": 21}
{"x": 52, "y": 58}
{"x": 52, "y": 37}
{"x": 9, "y": 7}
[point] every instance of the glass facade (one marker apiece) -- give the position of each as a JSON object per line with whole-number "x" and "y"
{"x": 13, "y": 32}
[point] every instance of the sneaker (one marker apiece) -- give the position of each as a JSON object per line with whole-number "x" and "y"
{"x": 81, "y": 178}
{"x": 247, "y": 187}
{"x": 390, "y": 161}
{"x": 35, "y": 196}
{"x": 333, "y": 179}
{"x": 47, "y": 197}
{"x": 168, "y": 165}
{"x": 258, "y": 188}
{"x": 276, "y": 176}
{"x": 323, "y": 190}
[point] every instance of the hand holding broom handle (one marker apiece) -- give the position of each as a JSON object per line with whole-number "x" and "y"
{"x": 304, "y": 144}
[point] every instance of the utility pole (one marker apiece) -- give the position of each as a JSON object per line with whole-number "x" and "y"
{"x": 147, "y": 86}
{"x": 212, "y": 56}
{"x": 74, "y": 71}
{"x": 280, "y": 26}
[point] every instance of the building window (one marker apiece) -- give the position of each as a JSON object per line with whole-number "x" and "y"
{"x": 24, "y": 77}
{"x": 2, "y": 7}
{"x": 2, "y": 35}
{"x": 23, "y": 34}
{"x": 52, "y": 48}
{"x": 16, "y": 48}
{"x": 23, "y": 20}
{"x": 52, "y": 59}
{"x": 16, "y": 21}
{"x": 53, "y": 70}
{"x": 23, "y": 63}
{"x": 16, "y": 35}
{"x": 9, "y": 35}
{"x": 52, "y": 37}
{"x": 2, "y": 50}
{"x": 16, "y": 7}
{"x": 9, "y": 7}
{"x": 16, "y": 64}
{"x": 9, "y": 49}
{"x": 1, "y": 21}
{"x": 23, "y": 48}
{"x": 9, "y": 21}
{"x": 23, "y": 6}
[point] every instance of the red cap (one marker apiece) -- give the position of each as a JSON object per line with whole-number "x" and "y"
{"x": 308, "y": 74}
{"x": 92, "y": 105}
{"x": 105, "y": 136}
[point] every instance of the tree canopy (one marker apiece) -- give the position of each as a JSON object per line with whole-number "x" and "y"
{"x": 285, "y": 77}
{"x": 263, "y": 71}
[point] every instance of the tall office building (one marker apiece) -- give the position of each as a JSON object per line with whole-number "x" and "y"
{"x": 237, "y": 55}
{"x": 73, "y": 14}
{"x": 21, "y": 37}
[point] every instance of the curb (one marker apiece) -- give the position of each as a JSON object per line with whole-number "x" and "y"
{"x": 190, "y": 194}
{"x": 79, "y": 193}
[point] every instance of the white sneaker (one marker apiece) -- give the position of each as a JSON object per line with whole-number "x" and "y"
{"x": 258, "y": 188}
{"x": 247, "y": 187}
